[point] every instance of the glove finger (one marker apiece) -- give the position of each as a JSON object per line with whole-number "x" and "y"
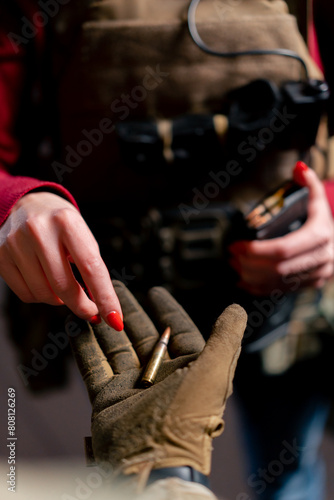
{"x": 93, "y": 366}
{"x": 212, "y": 373}
{"x": 140, "y": 329}
{"x": 116, "y": 347}
{"x": 224, "y": 345}
{"x": 185, "y": 337}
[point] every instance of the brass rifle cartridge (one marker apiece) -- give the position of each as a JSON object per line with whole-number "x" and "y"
{"x": 156, "y": 359}
{"x": 269, "y": 207}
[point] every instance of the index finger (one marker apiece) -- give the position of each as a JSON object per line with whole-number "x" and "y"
{"x": 85, "y": 253}
{"x": 185, "y": 337}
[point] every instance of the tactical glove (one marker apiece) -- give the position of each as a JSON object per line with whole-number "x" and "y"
{"x": 172, "y": 423}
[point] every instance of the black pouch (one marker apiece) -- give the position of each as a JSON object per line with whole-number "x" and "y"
{"x": 190, "y": 141}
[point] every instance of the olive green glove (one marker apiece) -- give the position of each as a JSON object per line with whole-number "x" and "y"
{"x": 173, "y": 422}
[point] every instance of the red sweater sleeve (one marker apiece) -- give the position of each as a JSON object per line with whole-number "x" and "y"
{"x": 329, "y": 188}
{"x": 12, "y": 78}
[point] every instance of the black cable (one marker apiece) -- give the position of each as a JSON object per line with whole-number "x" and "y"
{"x": 198, "y": 40}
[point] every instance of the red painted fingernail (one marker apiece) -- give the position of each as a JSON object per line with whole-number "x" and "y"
{"x": 95, "y": 320}
{"x": 115, "y": 321}
{"x": 301, "y": 167}
{"x": 299, "y": 171}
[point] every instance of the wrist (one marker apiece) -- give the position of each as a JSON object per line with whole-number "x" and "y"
{"x": 185, "y": 473}
{"x": 141, "y": 481}
{"x": 41, "y": 199}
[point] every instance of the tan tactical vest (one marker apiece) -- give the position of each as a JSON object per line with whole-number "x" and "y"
{"x": 128, "y": 60}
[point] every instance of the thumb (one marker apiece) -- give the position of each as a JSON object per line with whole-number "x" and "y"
{"x": 212, "y": 373}
{"x": 317, "y": 204}
{"x": 305, "y": 176}
{"x": 222, "y": 350}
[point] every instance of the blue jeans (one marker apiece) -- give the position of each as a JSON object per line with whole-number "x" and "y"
{"x": 283, "y": 419}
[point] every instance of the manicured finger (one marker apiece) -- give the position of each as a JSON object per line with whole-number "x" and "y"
{"x": 94, "y": 368}
{"x": 116, "y": 347}
{"x": 307, "y": 177}
{"x": 85, "y": 252}
{"x": 47, "y": 246}
{"x": 185, "y": 337}
{"x": 139, "y": 327}
{"x": 62, "y": 281}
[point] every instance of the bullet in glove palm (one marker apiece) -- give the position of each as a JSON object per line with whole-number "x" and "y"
{"x": 173, "y": 422}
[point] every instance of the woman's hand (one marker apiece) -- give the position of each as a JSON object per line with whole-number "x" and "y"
{"x": 302, "y": 258}
{"x": 41, "y": 236}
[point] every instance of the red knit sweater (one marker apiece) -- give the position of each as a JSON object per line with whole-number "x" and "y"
{"x": 12, "y": 77}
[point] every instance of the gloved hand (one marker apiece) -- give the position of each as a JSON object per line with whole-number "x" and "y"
{"x": 172, "y": 423}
